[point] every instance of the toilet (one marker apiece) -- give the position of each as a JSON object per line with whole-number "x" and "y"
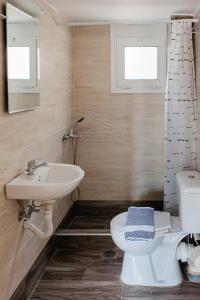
{"x": 156, "y": 262}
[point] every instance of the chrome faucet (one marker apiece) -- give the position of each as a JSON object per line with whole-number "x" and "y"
{"x": 32, "y": 166}
{"x": 71, "y": 134}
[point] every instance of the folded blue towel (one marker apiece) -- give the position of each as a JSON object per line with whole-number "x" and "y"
{"x": 139, "y": 224}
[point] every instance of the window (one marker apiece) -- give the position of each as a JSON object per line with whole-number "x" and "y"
{"x": 17, "y": 70}
{"x": 23, "y": 70}
{"x": 141, "y": 63}
{"x": 138, "y": 58}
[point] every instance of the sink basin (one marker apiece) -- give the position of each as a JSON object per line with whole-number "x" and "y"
{"x": 49, "y": 183}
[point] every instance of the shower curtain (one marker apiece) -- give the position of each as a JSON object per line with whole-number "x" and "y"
{"x": 180, "y": 110}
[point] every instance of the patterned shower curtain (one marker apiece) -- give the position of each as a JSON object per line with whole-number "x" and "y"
{"x": 180, "y": 110}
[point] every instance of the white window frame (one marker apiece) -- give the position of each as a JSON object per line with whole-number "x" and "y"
{"x": 147, "y": 35}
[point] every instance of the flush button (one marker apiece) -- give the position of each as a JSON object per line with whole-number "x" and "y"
{"x": 191, "y": 176}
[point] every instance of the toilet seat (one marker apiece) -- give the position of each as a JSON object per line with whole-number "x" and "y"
{"x": 162, "y": 222}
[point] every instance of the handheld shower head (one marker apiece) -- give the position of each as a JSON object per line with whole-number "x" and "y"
{"x": 80, "y": 120}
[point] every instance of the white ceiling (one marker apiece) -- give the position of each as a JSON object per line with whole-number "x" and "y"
{"x": 85, "y": 11}
{"x": 17, "y": 16}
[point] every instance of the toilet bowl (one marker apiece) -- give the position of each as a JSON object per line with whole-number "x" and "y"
{"x": 155, "y": 262}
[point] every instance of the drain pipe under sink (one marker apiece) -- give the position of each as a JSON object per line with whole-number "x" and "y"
{"x": 48, "y": 209}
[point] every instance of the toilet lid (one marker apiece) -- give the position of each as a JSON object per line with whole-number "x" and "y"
{"x": 162, "y": 221}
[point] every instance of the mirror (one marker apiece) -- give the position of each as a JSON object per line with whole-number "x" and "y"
{"x": 23, "y": 68}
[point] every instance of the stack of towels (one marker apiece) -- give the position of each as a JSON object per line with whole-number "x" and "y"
{"x": 140, "y": 224}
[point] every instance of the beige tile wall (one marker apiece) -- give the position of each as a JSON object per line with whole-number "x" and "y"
{"x": 122, "y": 145}
{"x": 33, "y": 134}
{"x": 197, "y": 65}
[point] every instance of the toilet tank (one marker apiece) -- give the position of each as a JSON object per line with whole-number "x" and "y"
{"x": 188, "y": 190}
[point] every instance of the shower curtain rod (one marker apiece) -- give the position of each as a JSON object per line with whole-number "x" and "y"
{"x": 192, "y": 20}
{"x": 129, "y": 22}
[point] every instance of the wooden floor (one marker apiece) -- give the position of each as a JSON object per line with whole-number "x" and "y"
{"x": 88, "y": 268}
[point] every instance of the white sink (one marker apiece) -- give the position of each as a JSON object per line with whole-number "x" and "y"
{"x": 49, "y": 183}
